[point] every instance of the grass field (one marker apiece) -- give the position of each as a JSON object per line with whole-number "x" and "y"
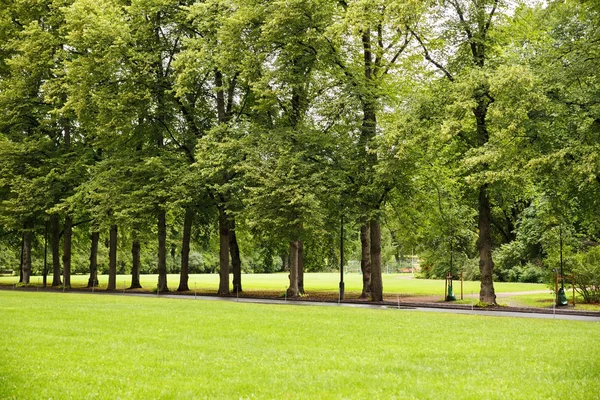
{"x": 313, "y": 282}
{"x": 67, "y": 346}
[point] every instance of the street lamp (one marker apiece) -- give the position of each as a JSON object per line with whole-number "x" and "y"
{"x": 342, "y": 258}
{"x": 561, "y": 298}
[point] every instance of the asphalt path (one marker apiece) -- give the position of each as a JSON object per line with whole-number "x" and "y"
{"x": 465, "y": 310}
{"x": 472, "y": 311}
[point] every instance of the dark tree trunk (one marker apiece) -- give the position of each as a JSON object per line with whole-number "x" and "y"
{"x": 301, "y": 266}
{"x": 376, "y": 279}
{"x": 236, "y": 262}
{"x": 285, "y": 265}
{"x": 93, "y": 280}
{"x": 21, "y": 262}
{"x": 55, "y": 244}
{"x": 112, "y": 258}
{"x": 223, "y": 253}
{"x": 293, "y": 291}
{"x": 135, "y": 260}
{"x": 68, "y": 234}
{"x": 484, "y": 245}
{"x": 365, "y": 261}
{"x": 185, "y": 250}
{"x": 162, "y": 252}
{"x": 26, "y": 257}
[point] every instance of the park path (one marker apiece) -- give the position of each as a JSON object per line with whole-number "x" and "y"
{"x": 403, "y": 307}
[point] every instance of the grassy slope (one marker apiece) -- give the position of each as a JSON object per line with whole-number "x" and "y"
{"x": 58, "y": 345}
{"x": 313, "y": 282}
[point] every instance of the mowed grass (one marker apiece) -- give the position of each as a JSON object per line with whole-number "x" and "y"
{"x": 74, "y": 345}
{"x": 393, "y": 284}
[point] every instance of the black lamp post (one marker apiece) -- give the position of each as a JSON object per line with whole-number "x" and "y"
{"x": 342, "y": 259}
{"x": 561, "y": 298}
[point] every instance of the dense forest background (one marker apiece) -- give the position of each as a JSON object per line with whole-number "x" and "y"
{"x": 155, "y": 136}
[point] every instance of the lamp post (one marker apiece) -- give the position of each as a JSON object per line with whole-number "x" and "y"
{"x": 561, "y": 297}
{"x": 450, "y": 296}
{"x": 342, "y": 258}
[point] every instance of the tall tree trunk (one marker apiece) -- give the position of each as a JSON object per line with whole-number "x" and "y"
{"x": 236, "y": 262}
{"x": 68, "y": 234}
{"x": 293, "y": 291}
{"x": 376, "y": 278}
{"x": 55, "y": 228}
{"x": 285, "y": 263}
{"x": 365, "y": 261}
{"x": 93, "y": 280}
{"x": 301, "y": 266}
{"x": 162, "y": 252}
{"x": 185, "y": 250}
{"x": 112, "y": 258}
{"x": 223, "y": 253}
{"x": 135, "y": 259}
{"x": 21, "y": 260}
{"x": 26, "y": 263}
{"x": 484, "y": 245}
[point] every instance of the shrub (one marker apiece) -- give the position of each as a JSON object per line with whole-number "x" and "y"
{"x": 587, "y": 275}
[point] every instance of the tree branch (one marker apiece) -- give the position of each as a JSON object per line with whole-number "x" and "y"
{"x": 428, "y": 56}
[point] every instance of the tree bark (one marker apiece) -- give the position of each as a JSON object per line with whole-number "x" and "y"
{"x": 68, "y": 234}
{"x": 135, "y": 260}
{"x": 21, "y": 262}
{"x": 365, "y": 261}
{"x": 93, "y": 280}
{"x": 376, "y": 279}
{"x": 185, "y": 250}
{"x": 236, "y": 262}
{"x": 300, "y": 266}
{"x": 223, "y": 253}
{"x": 55, "y": 244}
{"x": 112, "y": 258}
{"x": 285, "y": 264}
{"x": 26, "y": 263}
{"x": 292, "y": 290}
{"x": 484, "y": 245}
{"x": 162, "y": 251}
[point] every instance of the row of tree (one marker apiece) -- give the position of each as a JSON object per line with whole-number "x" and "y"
{"x": 466, "y": 127}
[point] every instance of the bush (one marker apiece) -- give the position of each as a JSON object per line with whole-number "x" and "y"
{"x": 587, "y": 275}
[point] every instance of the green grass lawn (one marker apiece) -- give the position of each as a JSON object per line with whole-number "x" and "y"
{"x": 313, "y": 282}
{"x": 67, "y": 346}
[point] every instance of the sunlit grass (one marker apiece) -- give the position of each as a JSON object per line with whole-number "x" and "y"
{"x": 67, "y": 346}
{"x": 393, "y": 284}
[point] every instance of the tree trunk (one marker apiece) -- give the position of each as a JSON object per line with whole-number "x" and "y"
{"x": 68, "y": 234}
{"x": 135, "y": 260}
{"x": 301, "y": 267}
{"x": 484, "y": 245}
{"x": 236, "y": 262}
{"x": 376, "y": 279}
{"x": 112, "y": 258}
{"x": 285, "y": 265}
{"x": 223, "y": 253}
{"x": 55, "y": 228}
{"x": 21, "y": 262}
{"x": 293, "y": 291}
{"x": 162, "y": 251}
{"x": 26, "y": 263}
{"x": 185, "y": 250}
{"x": 93, "y": 280}
{"x": 365, "y": 261}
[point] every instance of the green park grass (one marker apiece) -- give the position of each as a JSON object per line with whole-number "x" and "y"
{"x": 393, "y": 284}
{"x": 73, "y": 345}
